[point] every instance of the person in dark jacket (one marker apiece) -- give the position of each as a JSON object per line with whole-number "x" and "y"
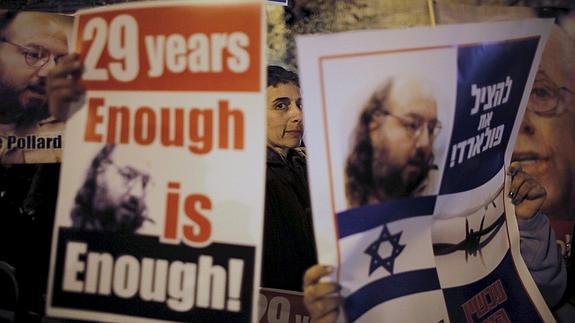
{"x": 289, "y": 245}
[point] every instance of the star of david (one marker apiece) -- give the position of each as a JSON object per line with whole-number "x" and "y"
{"x": 373, "y": 250}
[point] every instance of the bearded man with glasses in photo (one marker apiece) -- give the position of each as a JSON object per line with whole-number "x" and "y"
{"x": 112, "y": 197}
{"x": 392, "y": 152}
{"x": 31, "y": 43}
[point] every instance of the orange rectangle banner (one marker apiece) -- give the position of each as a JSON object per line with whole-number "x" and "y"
{"x": 194, "y": 48}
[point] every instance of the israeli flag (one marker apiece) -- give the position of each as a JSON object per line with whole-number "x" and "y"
{"x": 387, "y": 266}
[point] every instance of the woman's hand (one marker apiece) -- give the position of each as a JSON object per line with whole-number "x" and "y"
{"x": 321, "y": 298}
{"x": 525, "y": 192}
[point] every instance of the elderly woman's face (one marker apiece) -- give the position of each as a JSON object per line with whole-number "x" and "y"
{"x": 284, "y": 116}
{"x": 546, "y": 141}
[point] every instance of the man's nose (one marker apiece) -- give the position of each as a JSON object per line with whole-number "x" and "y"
{"x": 137, "y": 188}
{"x": 43, "y": 71}
{"x": 424, "y": 140}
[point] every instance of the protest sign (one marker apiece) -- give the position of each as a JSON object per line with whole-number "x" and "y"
{"x": 545, "y": 145}
{"x": 31, "y": 44}
{"x": 408, "y": 142}
{"x": 281, "y": 306}
{"x": 153, "y": 221}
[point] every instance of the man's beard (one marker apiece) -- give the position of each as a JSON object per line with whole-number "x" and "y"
{"x": 390, "y": 179}
{"x": 13, "y": 111}
{"x": 118, "y": 220}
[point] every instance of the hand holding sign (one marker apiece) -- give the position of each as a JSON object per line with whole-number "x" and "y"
{"x": 526, "y": 193}
{"x": 321, "y": 298}
{"x": 63, "y": 86}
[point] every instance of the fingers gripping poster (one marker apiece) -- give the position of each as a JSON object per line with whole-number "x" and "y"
{"x": 410, "y": 136}
{"x": 153, "y": 220}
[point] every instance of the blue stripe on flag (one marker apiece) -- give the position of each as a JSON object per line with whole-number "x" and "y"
{"x": 390, "y": 287}
{"x": 367, "y": 217}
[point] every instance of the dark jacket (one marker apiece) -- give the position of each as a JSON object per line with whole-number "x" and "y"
{"x": 28, "y": 194}
{"x": 289, "y": 245}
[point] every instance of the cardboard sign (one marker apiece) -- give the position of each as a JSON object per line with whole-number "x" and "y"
{"x": 154, "y": 222}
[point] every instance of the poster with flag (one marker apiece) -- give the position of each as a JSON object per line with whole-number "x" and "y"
{"x": 409, "y": 136}
{"x": 153, "y": 221}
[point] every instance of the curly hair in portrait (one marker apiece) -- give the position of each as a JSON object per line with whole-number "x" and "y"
{"x": 6, "y": 16}
{"x": 359, "y": 177}
{"x": 279, "y": 75}
{"x": 82, "y": 215}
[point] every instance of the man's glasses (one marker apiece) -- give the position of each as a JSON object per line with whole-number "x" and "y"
{"x": 36, "y": 57}
{"x": 414, "y": 125}
{"x": 130, "y": 176}
{"x": 545, "y": 98}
